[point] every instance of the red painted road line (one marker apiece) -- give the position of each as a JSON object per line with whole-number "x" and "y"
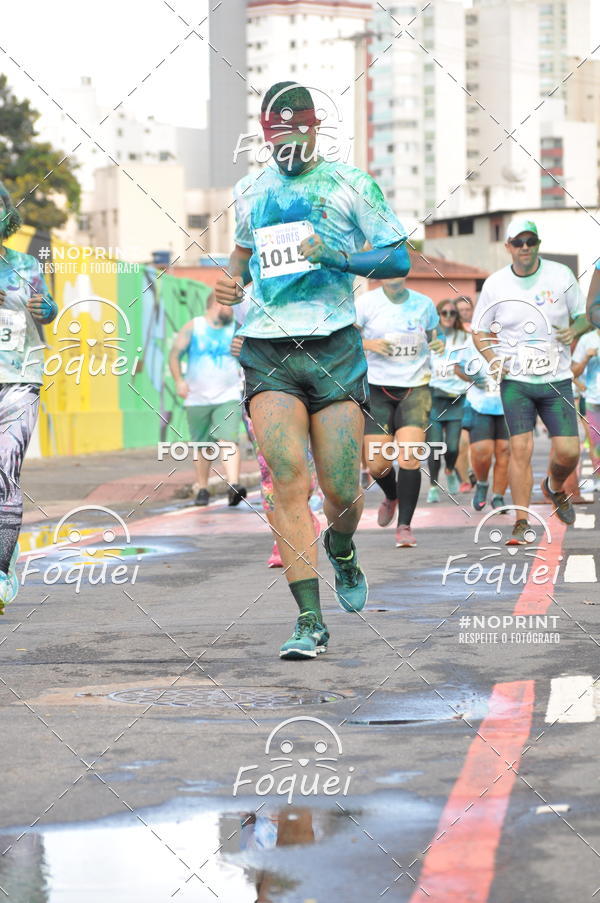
{"x": 459, "y": 866}
{"x": 534, "y": 600}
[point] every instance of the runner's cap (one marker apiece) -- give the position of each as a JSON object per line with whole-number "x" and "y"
{"x": 521, "y": 225}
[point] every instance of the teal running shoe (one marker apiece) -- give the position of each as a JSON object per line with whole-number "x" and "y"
{"x": 309, "y": 638}
{"x": 498, "y": 502}
{"x": 9, "y": 583}
{"x": 452, "y": 483}
{"x": 433, "y": 495}
{"x": 351, "y": 585}
{"x": 480, "y": 496}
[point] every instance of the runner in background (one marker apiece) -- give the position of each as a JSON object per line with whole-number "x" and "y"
{"x": 527, "y": 316}
{"x": 211, "y": 392}
{"x": 396, "y": 324}
{"x": 488, "y": 433}
{"x": 25, "y": 304}
{"x": 463, "y": 463}
{"x": 586, "y": 368}
{"x": 448, "y": 386}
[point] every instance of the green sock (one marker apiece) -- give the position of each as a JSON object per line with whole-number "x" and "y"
{"x": 306, "y": 594}
{"x": 340, "y": 544}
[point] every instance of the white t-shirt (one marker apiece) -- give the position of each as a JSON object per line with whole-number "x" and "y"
{"x": 443, "y": 375}
{"x": 404, "y": 324}
{"x": 591, "y": 374}
{"x": 523, "y": 312}
{"x": 212, "y": 374}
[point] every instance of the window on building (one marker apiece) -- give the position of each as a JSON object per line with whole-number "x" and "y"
{"x": 390, "y": 148}
{"x": 197, "y": 220}
{"x": 83, "y": 222}
{"x": 466, "y": 226}
{"x": 120, "y": 133}
{"x": 164, "y": 155}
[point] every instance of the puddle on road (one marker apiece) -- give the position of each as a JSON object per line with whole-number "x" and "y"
{"x": 122, "y": 859}
{"x": 452, "y": 704}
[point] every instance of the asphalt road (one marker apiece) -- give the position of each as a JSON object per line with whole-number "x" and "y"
{"x": 445, "y": 751}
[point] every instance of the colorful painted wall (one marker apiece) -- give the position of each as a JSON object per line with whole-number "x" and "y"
{"x": 107, "y": 382}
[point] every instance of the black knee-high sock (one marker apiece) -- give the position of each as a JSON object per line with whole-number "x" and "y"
{"x": 409, "y": 484}
{"x": 434, "y": 465}
{"x": 388, "y": 484}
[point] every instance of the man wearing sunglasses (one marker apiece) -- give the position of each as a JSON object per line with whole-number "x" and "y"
{"x": 526, "y": 319}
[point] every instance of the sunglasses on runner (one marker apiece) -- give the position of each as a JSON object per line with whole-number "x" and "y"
{"x": 519, "y": 242}
{"x": 448, "y": 313}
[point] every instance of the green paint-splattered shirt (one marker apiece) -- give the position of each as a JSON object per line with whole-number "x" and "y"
{"x": 21, "y": 339}
{"x": 345, "y": 207}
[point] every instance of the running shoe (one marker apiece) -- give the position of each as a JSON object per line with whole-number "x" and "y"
{"x": 465, "y": 487}
{"x": 498, "y": 502}
{"x": 9, "y": 583}
{"x": 452, "y": 483}
{"x": 351, "y": 585}
{"x": 433, "y": 495}
{"x": 275, "y": 559}
{"x": 236, "y": 494}
{"x": 564, "y": 508}
{"x": 404, "y": 537}
{"x": 309, "y": 638}
{"x": 202, "y": 498}
{"x": 479, "y": 499}
{"x": 386, "y": 511}
{"x": 519, "y": 536}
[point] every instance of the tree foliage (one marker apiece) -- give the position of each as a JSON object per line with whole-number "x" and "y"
{"x": 34, "y": 172}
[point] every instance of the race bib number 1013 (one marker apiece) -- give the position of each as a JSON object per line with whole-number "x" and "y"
{"x": 278, "y": 249}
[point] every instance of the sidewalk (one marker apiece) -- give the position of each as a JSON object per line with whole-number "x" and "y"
{"x": 53, "y": 485}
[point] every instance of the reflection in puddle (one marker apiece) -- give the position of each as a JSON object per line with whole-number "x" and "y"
{"x": 128, "y": 859}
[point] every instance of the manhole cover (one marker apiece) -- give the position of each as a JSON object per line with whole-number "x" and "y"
{"x": 264, "y": 698}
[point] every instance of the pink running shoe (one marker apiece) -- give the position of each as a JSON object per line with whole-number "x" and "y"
{"x": 275, "y": 559}
{"x": 386, "y": 511}
{"x": 404, "y": 537}
{"x": 465, "y": 487}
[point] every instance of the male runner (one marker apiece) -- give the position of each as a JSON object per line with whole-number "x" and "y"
{"x": 396, "y": 324}
{"x": 301, "y": 223}
{"x": 527, "y": 315}
{"x": 25, "y": 302}
{"x": 211, "y": 393}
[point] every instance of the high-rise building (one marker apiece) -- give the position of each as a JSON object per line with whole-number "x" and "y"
{"x": 417, "y": 105}
{"x": 228, "y": 90}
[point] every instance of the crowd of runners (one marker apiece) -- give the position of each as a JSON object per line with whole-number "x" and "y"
{"x": 385, "y": 382}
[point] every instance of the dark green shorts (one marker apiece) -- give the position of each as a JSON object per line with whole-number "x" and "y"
{"x": 523, "y": 402}
{"x": 446, "y": 407}
{"x": 393, "y": 408}
{"x": 487, "y": 426}
{"x": 319, "y": 372}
